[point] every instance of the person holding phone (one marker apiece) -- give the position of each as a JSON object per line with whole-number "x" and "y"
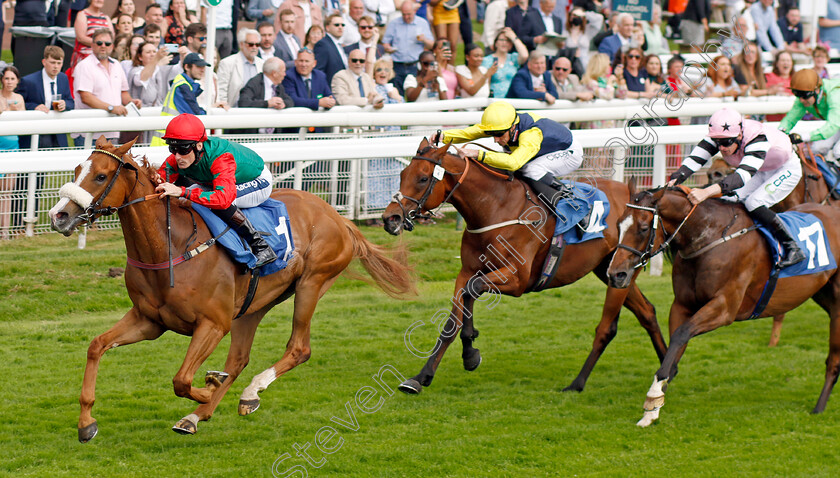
{"x": 427, "y": 85}
{"x": 506, "y": 60}
{"x": 445, "y": 21}
{"x": 443, "y": 58}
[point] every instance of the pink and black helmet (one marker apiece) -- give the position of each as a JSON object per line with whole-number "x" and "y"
{"x": 726, "y": 123}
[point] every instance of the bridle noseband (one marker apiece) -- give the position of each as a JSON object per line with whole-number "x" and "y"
{"x": 649, "y": 253}
{"x": 437, "y": 175}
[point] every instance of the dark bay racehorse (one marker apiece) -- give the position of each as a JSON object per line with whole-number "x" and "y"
{"x": 210, "y": 289}
{"x": 719, "y": 284}
{"x": 811, "y": 188}
{"x": 506, "y": 252}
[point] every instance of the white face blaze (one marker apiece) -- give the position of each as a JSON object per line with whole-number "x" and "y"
{"x": 623, "y": 226}
{"x": 74, "y": 192}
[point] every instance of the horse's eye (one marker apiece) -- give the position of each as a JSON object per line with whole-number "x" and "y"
{"x": 424, "y": 179}
{"x": 644, "y": 228}
{"x": 101, "y": 178}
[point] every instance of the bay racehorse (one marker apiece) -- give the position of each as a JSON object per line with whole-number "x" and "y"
{"x": 210, "y": 288}
{"x": 812, "y": 187}
{"x": 715, "y": 281}
{"x": 506, "y": 252}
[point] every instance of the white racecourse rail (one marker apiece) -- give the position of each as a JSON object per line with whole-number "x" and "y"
{"x": 39, "y": 173}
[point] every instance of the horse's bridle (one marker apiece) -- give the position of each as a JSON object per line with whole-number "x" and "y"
{"x": 93, "y": 211}
{"x": 648, "y": 254}
{"x": 437, "y": 175}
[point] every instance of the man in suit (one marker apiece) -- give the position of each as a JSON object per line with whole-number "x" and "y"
{"x": 355, "y": 87}
{"x": 237, "y": 69}
{"x": 266, "y": 91}
{"x": 613, "y": 43}
{"x": 533, "y": 82}
{"x": 38, "y": 90}
{"x": 567, "y": 83}
{"x": 369, "y": 39}
{"x": 526, "y": 22}
{"x": 355, "y": 11}
{"x": 287, "y": 44}
{"x": 553, "y": 24}
{"x": 261, "y": 10}
{"x": 307, "y": 13}
{"x": 307, "y": 86}
{"x": 330, "y": 56}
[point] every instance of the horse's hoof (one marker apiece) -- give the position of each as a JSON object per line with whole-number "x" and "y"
{"x": 185, "y": 427}
{"x": 247, "y": 407}
{"x": 648, "y": 418}
{"x": 215, "y": 378}
{"x": 473, "y": 361}
{"x": 87, "y": 433}
{"x": 573, "y": 387}
{"x": 411, "y": 387}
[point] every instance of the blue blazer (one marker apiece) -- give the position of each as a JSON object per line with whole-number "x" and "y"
{"x": 526, "y": 25}
{"x": 296, "y": 88}
{"x": 281, "y": 50}
{"x": 610, "y": 45}
{"x": 32, "y": 89}
{"x": 522, "y": 87}
{"x": 328, "y": 58}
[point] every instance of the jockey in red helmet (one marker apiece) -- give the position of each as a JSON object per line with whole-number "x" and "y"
{"x": 226, "y": 176}
{"x": 767, "y": 170}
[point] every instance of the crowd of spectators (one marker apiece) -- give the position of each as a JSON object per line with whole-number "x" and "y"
{"x": 320, "y": 53}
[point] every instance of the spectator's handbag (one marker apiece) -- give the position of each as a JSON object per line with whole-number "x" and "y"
{"x": 454, "y": 4}
{"x": 677, "y": 6}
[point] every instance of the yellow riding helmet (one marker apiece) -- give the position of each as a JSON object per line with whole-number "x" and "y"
{"x": 498, "y": 117}
{"x": 805, "y": 80}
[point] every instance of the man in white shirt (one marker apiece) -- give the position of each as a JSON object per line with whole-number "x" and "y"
{"x": 267, "y": 38}
{"x": 379, "y": 10}
{"x": 237, "y": 69}
{"x": 351, "y": 29}
{"x": 355, "y": 87}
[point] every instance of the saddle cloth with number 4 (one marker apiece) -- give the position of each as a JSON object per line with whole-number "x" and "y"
{"x": 809, "y": 232}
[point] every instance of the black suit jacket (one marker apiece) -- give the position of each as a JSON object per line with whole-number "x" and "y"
{"x": 253, "y": 93}
{"x": 328, "y": 58}
{"x": 526, "y": 24}
{"x": 32, "y": 89}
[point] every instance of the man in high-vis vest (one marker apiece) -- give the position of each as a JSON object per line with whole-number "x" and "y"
{"x": 183, "y": 93}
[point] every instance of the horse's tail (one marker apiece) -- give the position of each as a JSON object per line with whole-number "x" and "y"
{"x": 388, "y": 266}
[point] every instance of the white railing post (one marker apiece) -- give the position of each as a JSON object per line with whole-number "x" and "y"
{"x": 30, "y": 219}
{"x": 353, "y": 187}
{"x": 658, "y": 180}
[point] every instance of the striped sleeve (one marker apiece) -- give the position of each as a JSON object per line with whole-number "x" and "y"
{"x": 700, "y": 155}
{"x": 754, "y": 153}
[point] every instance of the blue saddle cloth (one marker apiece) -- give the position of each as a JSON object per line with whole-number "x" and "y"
{"x": 269, "y": 217}
{"x": 570, "y": 211}
{"x": 809, "y": 233}
{"x": 829, "y": 173}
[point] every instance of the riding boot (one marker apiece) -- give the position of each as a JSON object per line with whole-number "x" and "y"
{"x": 236, "y": 219}
{"x": 550, "y": 190}
{"x": 793, "y": 254}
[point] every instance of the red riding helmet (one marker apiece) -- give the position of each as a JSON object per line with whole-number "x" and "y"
{"x": 186, "y": 127}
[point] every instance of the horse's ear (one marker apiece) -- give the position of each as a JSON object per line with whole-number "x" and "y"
{"x": 423, "y": 144}
{"x": 101, "y": 142}
{"x": 631, "y": 185}
{"x": 124, "y": 148}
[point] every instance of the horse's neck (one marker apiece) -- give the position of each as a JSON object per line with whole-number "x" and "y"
{"x": 710, "y": 221}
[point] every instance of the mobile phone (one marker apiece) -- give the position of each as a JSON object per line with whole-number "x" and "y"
{"x": 445, "y": 45}
{"x": 171, "y": 47}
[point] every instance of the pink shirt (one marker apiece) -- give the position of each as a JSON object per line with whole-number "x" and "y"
{"x": 106, "y": 84}
{"x": 451, "y": 83}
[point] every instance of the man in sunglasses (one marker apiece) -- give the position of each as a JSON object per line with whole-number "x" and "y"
{"x": 330, "y": 56}
{"x": 224, "y": 177}
{"x": 539, "y": 148}
{"x": 767, "y": 169}
{"x": 821, "y": 98}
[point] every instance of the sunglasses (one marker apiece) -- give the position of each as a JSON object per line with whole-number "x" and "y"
{"x": 305, "y": 50}
{"x": 383, "y": 69}
{"x": 182, "y": 149}
{"x": 202, "y": 38}
{"x": 427, "y": 63}
{"x": 252, "y": 45}
{"x": 634, "y": 57}
{"x": 725, "y": 142}
{"x": 557, "y": 68}
{"x": 366, "y": 27}
{"x": 804, "y": 94}
{"x": 106, "y": 43}
{"x": 357, "y": 60}
{"x": 338, "y": 24}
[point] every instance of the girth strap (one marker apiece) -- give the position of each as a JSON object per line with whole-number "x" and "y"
{"x": 252, "y": 291}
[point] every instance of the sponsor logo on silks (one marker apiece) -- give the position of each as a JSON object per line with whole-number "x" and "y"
{"x": 771, "y": 188}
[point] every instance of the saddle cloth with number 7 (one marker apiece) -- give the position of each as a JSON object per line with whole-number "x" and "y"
{"x": 809, "y": 232}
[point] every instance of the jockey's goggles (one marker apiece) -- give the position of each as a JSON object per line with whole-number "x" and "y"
{"x": 496, "y": 134}
{"x": 181, "y": 148}
{"x": 725, "y": 141}
{"x": 804, "y": 94}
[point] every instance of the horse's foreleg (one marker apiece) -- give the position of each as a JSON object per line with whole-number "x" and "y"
{"x": 298, "y": 349}
{"x": 470, "y": 355}
{"x": 829, "y": 299}
{"x": 241, "y": 339}
{"x": 714, "y": 314}
{"x": 776, "y": 333}
{"x": 604, "y": 333}
{"x": 130, "y": 329}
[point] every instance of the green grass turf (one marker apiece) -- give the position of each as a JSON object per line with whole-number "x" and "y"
{"x": 736, "y": 408}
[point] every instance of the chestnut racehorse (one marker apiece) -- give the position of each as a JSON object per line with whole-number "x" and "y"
{"x": 811, "y": 188}
{"x": 210, "y": 288}
{"x": 716, "y": 281}
{"x": 506, "y": 252}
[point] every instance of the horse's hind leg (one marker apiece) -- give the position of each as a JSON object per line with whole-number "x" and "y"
{"x": 132, "y": 328}
{"x": 829, "y": 299}
{"x": 297, "y": 348}
{"x": 241, "y": 338}
{"x": 776, "y": 333}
